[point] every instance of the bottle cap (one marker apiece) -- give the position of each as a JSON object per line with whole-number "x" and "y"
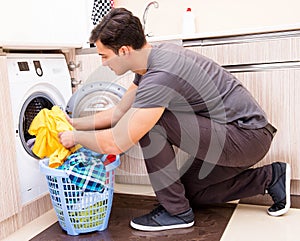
{"x": 188, "y": 9}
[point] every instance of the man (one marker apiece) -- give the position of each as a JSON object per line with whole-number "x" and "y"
{"x": 180, "y": 98}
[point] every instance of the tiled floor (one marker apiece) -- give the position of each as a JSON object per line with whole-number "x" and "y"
{"x": 226, "y": 222}
{"x": 249, "y": 223}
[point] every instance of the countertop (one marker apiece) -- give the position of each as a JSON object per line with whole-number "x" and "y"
{"x": 175, "y": 37}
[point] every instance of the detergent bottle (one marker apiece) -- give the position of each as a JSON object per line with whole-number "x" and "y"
{"x": 188, "y": 22}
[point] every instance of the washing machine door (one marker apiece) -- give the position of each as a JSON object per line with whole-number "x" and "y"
{"x": 94, "y": 97}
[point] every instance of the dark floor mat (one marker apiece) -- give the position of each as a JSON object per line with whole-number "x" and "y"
{"x": 210, "y": 223}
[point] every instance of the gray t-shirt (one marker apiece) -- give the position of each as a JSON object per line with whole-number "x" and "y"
{"x": 183, "y": 80}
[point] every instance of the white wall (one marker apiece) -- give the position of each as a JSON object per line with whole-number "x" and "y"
{"x": 216, "y": 15}
{"x": 67, "y": 22}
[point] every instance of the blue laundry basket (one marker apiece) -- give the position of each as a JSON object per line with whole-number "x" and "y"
{"x": 78, "y": 211}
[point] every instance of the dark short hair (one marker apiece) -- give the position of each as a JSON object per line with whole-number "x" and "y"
{"x": 118, "y": 28}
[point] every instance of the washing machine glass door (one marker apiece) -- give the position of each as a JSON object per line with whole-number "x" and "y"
{"x": 94, "y": 97}
{"x": 31, "y": 107}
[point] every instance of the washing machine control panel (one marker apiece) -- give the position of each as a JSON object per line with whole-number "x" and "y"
{"x": 38, "y": 67}
{"x": 24, "y": 66}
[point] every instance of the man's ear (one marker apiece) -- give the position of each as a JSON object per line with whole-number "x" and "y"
{"x": 124, "y": 50}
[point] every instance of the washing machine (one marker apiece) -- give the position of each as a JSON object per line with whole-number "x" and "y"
{"x": 40, "y": 81}
{"x": 36, "y": 81}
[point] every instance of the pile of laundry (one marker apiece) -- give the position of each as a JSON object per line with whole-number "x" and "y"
{"x": 85, "y": 168}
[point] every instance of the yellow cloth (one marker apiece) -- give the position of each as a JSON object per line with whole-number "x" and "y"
{"x": 45, "y": 126}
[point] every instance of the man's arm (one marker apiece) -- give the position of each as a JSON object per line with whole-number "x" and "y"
{"x": 126, "y": 133}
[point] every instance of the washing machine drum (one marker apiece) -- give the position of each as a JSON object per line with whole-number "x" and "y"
{"x": 31, "y": 107}
{"x": 94, "y": 97}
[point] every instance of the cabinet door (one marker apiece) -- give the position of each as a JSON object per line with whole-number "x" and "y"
{"x": 277, "y": 91}
{"x": 35, "y": 23}
{"x": 251, "y": 51}
{"x": 9, "y": 182}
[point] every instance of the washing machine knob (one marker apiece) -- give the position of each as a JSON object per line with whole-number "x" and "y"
{"x": 38, "y": 68}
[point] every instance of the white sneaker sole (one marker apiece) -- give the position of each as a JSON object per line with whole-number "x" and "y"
{"x": 159, "y": 228}
{"x": 287, "y": 191}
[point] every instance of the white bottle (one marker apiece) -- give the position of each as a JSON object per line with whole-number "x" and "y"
{"x": 188, "y": 22}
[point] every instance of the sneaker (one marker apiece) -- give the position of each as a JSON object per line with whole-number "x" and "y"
{"x": 280, "y": 189}
{"x": 159, "y": 219}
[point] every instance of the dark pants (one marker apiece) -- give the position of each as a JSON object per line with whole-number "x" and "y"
{"x": 218, "y": 170}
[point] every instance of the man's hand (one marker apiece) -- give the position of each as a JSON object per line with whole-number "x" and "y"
{"x": 67, "y": 139}
{"x": 69, "y": 119}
